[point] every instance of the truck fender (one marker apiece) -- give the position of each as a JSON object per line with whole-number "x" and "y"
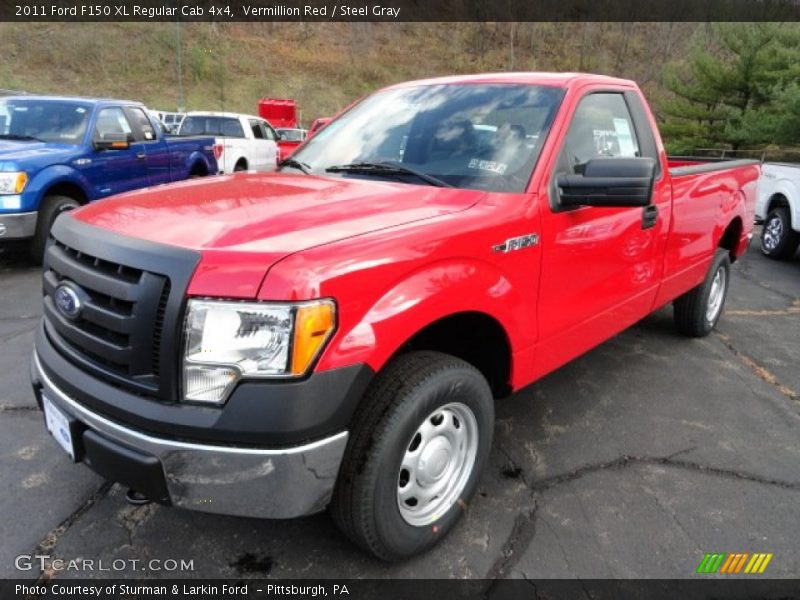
{"x": 198, "y": 158}
{"x": 45, "y": 180}
{"x": 789, "y": 190}
{"x": 421, "y": 298}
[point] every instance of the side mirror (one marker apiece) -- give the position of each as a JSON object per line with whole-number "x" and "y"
{"x": 113, "y": 141}
{"x": 612, "y": 182}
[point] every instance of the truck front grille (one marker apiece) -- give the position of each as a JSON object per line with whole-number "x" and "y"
{"x": 121, "y": 320}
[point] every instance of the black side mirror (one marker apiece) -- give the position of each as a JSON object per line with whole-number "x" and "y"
{"x": 617, "y": 182}
{"x": 113, "y": 141}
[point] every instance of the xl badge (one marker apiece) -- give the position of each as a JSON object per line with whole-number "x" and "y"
{"x": 67, "y": 301}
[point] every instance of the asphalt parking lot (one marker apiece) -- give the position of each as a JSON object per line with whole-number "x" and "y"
{"x": 630, "y": 462}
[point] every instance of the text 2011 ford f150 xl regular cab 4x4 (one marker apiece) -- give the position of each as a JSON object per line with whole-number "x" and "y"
{"x": 335, "y": 333}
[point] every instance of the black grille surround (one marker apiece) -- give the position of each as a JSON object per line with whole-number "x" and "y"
{"x": 130, "y": 327}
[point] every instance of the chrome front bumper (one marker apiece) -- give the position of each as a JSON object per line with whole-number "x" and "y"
{"x": 17, "y": 226}
{"x": 253, "y": 482}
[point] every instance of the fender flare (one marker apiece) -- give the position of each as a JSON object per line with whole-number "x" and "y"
{"x": 789, "y": 190}
{"x": 44, "y": 180}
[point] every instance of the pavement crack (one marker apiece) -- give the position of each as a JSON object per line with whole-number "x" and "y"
{"x": 761, "y": 372}
{"x": 49, "y": 542}
{"x": 27, "y": 408}
{"x": 522, "y": 534}
{"x": 626, "y": 461}
{"x": 513, "y": 469}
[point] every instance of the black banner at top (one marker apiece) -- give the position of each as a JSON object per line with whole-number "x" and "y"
{"x": 398, "y": 10}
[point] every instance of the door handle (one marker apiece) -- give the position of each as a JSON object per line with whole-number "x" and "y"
{"x": 649, "y": 216}
{"x": 140, "y": 155}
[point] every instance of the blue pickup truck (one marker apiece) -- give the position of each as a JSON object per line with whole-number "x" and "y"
{"x": 59, "y": 153}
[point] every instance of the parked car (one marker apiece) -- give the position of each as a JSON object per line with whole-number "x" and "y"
{"x": 318, "y": 124}
{"x": 778, "y": 208}
{"x": 59, "y": 153}
{"x": 289, "y": 140}
{"x": 171, "y": 120}
{"x": 338, "y": 332}
{"x": 242, "y": 142}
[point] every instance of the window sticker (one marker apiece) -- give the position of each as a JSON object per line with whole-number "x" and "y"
{"x": 488, "y": 165}
{"x": 624, "y": 137}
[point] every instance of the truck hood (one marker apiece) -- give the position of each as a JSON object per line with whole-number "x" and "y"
{"x": 13, "y": 153}
{"x": 245, "y": 222}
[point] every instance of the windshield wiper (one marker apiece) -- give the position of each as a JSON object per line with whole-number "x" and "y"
{"x": 296, "y": 164}
{"x": 21, "y": 138}
{"x": 386, "y": 168}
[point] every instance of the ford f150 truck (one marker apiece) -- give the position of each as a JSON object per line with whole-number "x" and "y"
{"x": 59, "y": 153}
{"x": 337, "y": 332}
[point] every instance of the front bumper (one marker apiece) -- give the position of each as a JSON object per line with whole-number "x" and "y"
{"x": 17, "y": 226}
{"x": 254, "y": 482}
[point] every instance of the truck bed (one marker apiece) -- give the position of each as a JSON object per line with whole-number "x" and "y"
{"x": 681, "y": 166}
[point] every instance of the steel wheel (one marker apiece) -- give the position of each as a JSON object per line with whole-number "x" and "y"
{"x": 773, "y": 231}
{"x": 716, "y": 295}
{"x": 437, "y": 464}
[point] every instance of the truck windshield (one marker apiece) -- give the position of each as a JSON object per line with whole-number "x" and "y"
{"x": 216, "y": 126}
{"x": 48, "y": 121}
{"x": 479, "y": 136}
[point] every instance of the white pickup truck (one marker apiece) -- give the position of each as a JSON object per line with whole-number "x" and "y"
{"x": 242, "y": 142}
{"x": 778, "y": 208}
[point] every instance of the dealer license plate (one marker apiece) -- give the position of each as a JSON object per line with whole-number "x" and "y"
{"x": 58, "y": 425}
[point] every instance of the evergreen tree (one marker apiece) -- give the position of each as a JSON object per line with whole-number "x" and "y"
{"x": 733, "y": 90}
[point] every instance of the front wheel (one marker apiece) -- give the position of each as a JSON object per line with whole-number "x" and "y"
{"x": 419, "y": 444}
{"x": 778, "y": 239}
{"x": 51, "y": 207}
{"x": 696, "y": 312}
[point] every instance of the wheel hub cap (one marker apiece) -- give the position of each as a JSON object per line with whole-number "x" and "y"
{"x": 437, "y": 464}
{"x": 716, "y": 295}
{"x": 772, "y": 233}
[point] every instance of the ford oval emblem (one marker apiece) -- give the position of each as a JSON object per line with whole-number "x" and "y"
{"x": 67, "y": 301}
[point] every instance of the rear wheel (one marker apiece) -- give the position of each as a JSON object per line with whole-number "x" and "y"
{"x": 697, "y": 312}
{"x": 778, "y": 239}
{"x": 51, "y": 207}
{"x": 419, "y": 444}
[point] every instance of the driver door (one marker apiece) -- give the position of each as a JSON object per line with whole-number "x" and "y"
{"x": 116, "y": 171}
{"x": 600, "y": 265}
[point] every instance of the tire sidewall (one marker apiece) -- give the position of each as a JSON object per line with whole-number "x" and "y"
{"x": 721, "y": 260}
{"x": 456, "y": 385}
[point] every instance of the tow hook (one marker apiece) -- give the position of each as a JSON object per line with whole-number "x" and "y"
{"x": 136, "y": 498}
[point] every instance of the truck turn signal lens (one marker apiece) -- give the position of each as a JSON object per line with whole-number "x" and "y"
{"x": 22, "y": 179}
{"x": 313, "y": 326}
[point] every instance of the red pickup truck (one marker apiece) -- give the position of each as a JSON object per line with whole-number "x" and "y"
{"x": 337, "y": 333}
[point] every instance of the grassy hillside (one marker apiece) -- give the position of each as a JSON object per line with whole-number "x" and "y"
{"x": 324, "y": 66}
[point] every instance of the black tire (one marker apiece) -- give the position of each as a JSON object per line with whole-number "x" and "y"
{"x": 410, "y": 389}
{"x": 778, "y": 239}
{"x": 51, "y": 207}
{"x": 691, "y": 309}
{"x": 240, "y": 166}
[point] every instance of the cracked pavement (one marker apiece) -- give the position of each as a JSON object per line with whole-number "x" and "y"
{"x": 630, "y": 462}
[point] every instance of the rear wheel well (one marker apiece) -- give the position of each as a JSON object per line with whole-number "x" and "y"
{"x": 730, "y": 238}
{"x": 70, "y": 190}
{"x": 474, "y": 337}
{"x": 198, "y": 170}
{"x": 777, "y": 201}
{"x": 241, "y": 165}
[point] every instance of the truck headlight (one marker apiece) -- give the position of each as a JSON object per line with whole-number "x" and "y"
{"x": 13, "y": 182}
{"x": 227, "y": 341}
